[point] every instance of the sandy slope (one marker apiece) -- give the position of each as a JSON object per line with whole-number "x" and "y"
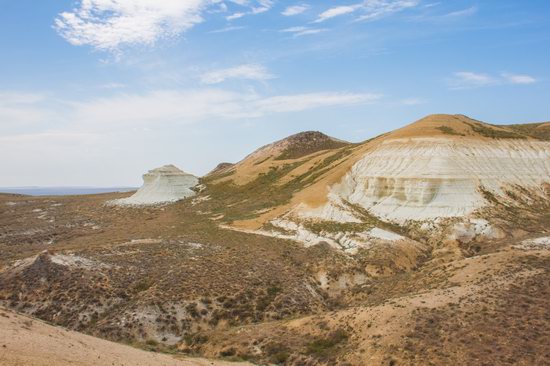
{"x": 31, "y": 342}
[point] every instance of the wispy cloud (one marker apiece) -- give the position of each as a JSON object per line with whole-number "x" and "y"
{"x": 303, "y": 31}
{"x": 368, "y": 9}
{"x": 461, "y": 13}
{"x": 300, "y": 102}
{"x": 374, "y": 9}
{"x": 295, "y": 10}
{"x": 468, "y": 79}
{"x": 228, "y": 29}
{"x": 111, "y": 24}
{"x": 519, "y": 78}
{"x": 190, "y": 106}
{"x": 235, "y": 16}
{"x": 136, "y": 110}
{"x": 246, "y": 71}
{"x": 336, "y": 11}
{"x": 444, "y": 17}
{"x": 262, "y": 7}
{"x": 252, "y": 8}
{"x": 431, "y": 5}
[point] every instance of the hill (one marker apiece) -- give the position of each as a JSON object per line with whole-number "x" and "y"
{"x": 442, "y": 167}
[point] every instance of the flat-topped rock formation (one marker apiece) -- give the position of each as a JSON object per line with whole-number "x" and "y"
{"x": 161, "y": 185}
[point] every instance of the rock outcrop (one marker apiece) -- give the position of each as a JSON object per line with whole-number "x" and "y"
{"x": 427, "y": 178}
{"x": 161, "y": 185}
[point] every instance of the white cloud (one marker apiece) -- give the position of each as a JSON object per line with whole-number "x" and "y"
{"x": 445, "y": 17}
{"x": 374, "y": 9}
{"x": 336, "y": 11}
{"x": 254, "y": 7}
{"x": 227, "y": 29}
{"x": 295, "y": 10}
{"x": 519, "y": 79}
{"x": 240, "y": 2}
{"x": 117, "y": 113}
{"x": 191, "y": 106}
{"x": 461, "y": 13}
{"x": 162, "y": 106}
{"x": 369, "y": 9}
{"x": 300, "y": 102}
{"x": 303, "y": 31}
{"x": 247, "y": 71}
{"x": 110, "y": 24}
{"x": 263, "y": 6}
{"x": 431, "y": 5}
{"x": 468, "y": 79}
{"x": 235, "y": 16}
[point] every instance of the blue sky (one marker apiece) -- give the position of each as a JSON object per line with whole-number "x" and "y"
{"x": 95, "y": 92}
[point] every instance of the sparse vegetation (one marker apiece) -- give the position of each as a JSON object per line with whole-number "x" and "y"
{"x": 307, "y": 143}
{"x": 494, "y": 132}
{"x": 449, "y": 131}
{"x": 539, "y": 131}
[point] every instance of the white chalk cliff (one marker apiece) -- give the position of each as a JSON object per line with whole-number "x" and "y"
{"x": 161, "y": 185}
{"x": 427, "y": 178}
{"x": 418, "y": 174}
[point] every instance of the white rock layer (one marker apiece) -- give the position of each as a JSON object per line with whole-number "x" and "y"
{"x": 162, "y": 185}
{"x": 535, "y": 244}
{"x": 348, "y": 242}
{"x": 427, "y": 178}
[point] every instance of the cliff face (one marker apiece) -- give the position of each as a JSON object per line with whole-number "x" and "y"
{"x": 426, "y": 178}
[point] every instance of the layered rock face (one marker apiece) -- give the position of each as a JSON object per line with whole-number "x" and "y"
{"x": 442, "y": 173}
{"x": 162, "y": 185}
{"x": 427, "y": 178}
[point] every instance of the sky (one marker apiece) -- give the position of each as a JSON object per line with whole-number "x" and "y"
{"x": 96, "y": 92}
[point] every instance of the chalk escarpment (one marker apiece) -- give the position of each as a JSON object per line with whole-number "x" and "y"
{"x": 427, "y": 178}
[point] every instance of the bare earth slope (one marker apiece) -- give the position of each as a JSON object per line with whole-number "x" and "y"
{"x": 31, "y": 342}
